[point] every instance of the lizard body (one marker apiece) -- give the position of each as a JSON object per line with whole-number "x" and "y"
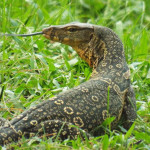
{"x": 86, "y": 105}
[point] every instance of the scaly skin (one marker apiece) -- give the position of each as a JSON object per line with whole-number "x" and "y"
{"x": 85, "y": 106}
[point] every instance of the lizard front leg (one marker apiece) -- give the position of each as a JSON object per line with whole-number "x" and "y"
{"x": 129, "y": 111}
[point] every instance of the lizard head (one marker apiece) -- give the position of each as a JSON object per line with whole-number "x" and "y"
{"x": 88, "y": 40}
{"x": 71, "y": 34}
{"x": 76, "y": 35}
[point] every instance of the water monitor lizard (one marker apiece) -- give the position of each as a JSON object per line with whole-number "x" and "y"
{"x": 86, "y": 105}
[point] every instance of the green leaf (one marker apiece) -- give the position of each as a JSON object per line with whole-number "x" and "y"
{"x": 73, "y": 62}
{"x": 129, "y": 132}
{"x": 105, "y": 142}
{"x": 142, "y": 136}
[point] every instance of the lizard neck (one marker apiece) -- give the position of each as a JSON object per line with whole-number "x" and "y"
{"x": 109, "y": 51}
{"x": 113, "y": 60}
{"x": 105, "y": 54}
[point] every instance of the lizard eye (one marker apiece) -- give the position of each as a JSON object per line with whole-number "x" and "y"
{"x": 72, "y": 29}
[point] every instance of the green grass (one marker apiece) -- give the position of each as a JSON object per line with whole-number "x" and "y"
{"x": 33, "y": 69}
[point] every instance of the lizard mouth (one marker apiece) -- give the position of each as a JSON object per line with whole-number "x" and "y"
{"x": 51, "y": 37}
{"x": 47, "y": 33}
{"x": 56, "y": 38}
{"x": 46, "y": 36}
